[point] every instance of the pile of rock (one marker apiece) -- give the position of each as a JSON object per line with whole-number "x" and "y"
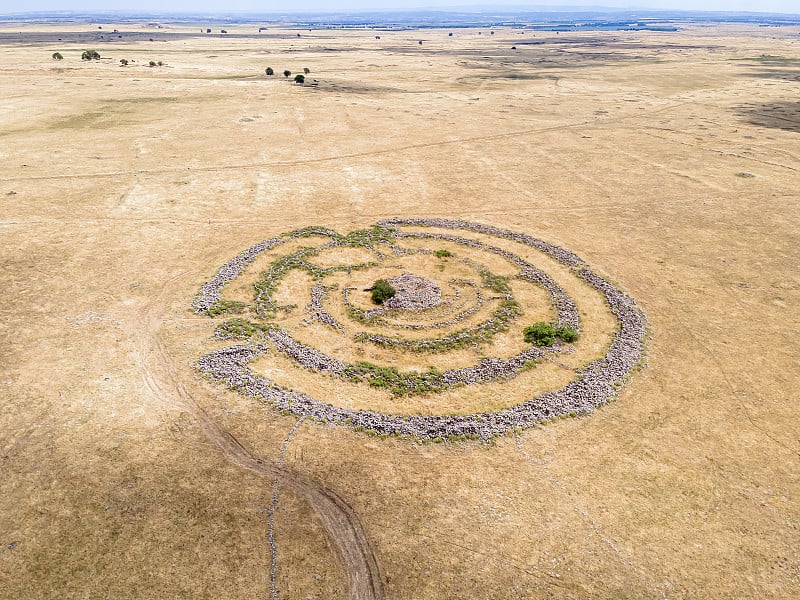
{"x": 414, "y": 293}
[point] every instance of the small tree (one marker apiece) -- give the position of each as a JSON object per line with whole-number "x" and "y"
{"x": 269, "y": 71}
{"x": 287, "y": 73}
{"x": 382, "y": 290}
{"x": 57, "y": 56}
{"x": 299, "y": 79}
{"x": 161, "y": 63}
{"x": 306, "y": 70}
{"x": 153, "y": 63}
{"x": 123, "y": 62}
{"x": 90, "y": 55}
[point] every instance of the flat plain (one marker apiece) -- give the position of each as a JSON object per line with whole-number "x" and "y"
{"x": 669, "y": 161}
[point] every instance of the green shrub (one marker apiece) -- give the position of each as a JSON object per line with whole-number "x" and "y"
{"x": 540, "y": 334}
{"x": 241, "y": 329}
{"x": 545, "y": 334}
{"x": 299, "y": 79}
{"x": 286, "y": 73}
{"x": 269, "y": 71}
{"x": 496, "y": 283}
{"x": 391, "y": 379}
{"x": 567, "y": 333}
{"x": 57, "y": 56}
{"x": 90, "y": 55}
{"x": 443, "y": 253}
{"x": 382, "y": 290}
{"x": 225, "y": 306}
{"x": 123, "y": 62}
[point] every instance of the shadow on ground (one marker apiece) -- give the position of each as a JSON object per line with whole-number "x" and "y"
{"x": 778, "y": 115}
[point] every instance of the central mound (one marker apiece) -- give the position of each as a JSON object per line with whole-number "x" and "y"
{"x": 413, "y": 293}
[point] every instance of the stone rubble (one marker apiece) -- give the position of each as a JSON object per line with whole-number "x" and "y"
{"x": 413, "y": 293}
{"x": 210, "y": 292}
{"x": 316, "y": 310}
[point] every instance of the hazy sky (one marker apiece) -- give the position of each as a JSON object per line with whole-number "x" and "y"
{"x": 226, "y": 6}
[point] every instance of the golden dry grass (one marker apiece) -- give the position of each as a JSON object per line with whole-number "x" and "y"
{"x": 123, "y": 189}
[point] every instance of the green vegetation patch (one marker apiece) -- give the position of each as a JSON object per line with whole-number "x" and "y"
{"x": 545, "y": 334}
{"x": 496, "y": 283}
{"x": 241, "y": 329}
{"x": 443, "y": 253}
{"x": 225, "y": 306}
{"x": 398, "y": 383}
{"x": 479, "y": 334}
{"x": 382, "y": 290}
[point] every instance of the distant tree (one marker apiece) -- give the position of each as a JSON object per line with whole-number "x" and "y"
{"x": 208, "y": 30}
{"x": 123, "y": 62}
{"x": 299, "y": 78}
{"x": 161, "y": 63}
{"x": 57, "y": 56}
{"x": 450, "y": 34}
{"x": 269, "y": 71}
{"x": 90, "y": 55}
{"x": 287, "y": 73}
{"x": 306, "y": 70}
{"x": 377, "y": 37}
{"x": 420, "y": 42}
{"x": 153, "y": 63}
{"x": 223, "y": 31}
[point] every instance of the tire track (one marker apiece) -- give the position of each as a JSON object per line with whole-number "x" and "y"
{"x": 342, "y": 525}
{"x": 273, "y": 506}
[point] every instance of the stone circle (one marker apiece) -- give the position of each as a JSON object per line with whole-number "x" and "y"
{"x": 419, "y": 298}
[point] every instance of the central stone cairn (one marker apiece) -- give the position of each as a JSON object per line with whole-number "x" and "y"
{"x": 595, "y": 383}
{"x": 413, "y": 293}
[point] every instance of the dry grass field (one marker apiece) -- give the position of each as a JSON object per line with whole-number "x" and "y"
{"x": 670, "y": 162}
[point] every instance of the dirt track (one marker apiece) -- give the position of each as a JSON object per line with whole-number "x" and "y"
{"x": 344, "y": 529}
